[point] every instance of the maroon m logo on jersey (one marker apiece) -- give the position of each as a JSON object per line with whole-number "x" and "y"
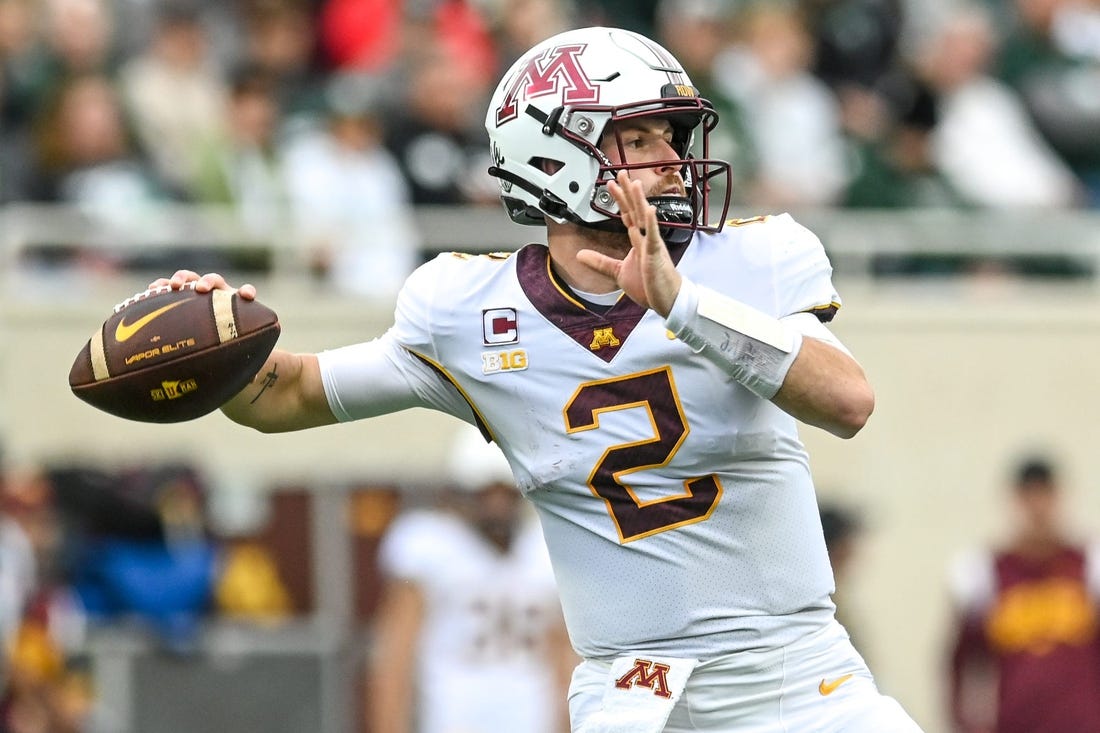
{"x": 544, "y": 75}
{"x": 649, "y": 674}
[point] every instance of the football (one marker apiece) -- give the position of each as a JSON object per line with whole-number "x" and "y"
{"x": 168, "y": 355}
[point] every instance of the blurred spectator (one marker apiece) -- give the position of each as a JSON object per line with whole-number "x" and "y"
{"x": 1051, "y": 58}
{"x": 139, "y": 548}
{"x": 469, "y": 635}
{"x": 697, "y": 32}
{"x": 252, "y": 586}
{"x": 436, "y": 132}
{"x": 856, "y": 41}
{"x": 891, "y": 151}
{"x": 174, "y": 126}
{"x": 1026, "y": 652}
{"x": 22, "y": 68}
{"x": 243, "y": 168}
{"x": 280, "y": 41}
{"x": 80, "y": 37}
{"x": 348, "y": 197}
{"x": 1077, "y": 28}
{"x": 792, "y": 117}
{"x": 361, "y": 35}
{"x": 520, "y": 24}
{"x": 18, "y": 569}
{"x": 377, "y": 36}
{"x": 1028, "y": 40}
{"x": 43, "y": 47}
{"x": 23, "y": 78}
{"x": 88, "y": 157}
{"x": 266, "y": 541}
{"x": 985, "y": 142}
{"x": 249, "y": 587}
{"x": 46, "y": 689}
{"x": 459, "y": 29}
{"x": 633, "y": 15}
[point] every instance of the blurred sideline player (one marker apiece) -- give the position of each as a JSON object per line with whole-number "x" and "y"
{"x": 469, "y": 635}
{"x": 1025, "y": 656}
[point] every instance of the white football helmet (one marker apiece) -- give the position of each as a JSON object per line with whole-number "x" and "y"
{"x": 551, "y": 109}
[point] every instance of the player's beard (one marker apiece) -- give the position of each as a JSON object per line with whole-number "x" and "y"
{"x": 612, "y": 244}
{"x": 617, "y": 243}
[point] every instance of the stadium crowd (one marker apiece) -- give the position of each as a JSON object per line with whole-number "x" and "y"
{"x": 137, "y": 547}
{"x": 332, "y": 120}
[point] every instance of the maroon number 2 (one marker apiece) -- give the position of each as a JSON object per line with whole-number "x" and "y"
{"x": 654, "y": 391}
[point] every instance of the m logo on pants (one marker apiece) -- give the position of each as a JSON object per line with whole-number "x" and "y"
{"x": 645, "y": 673}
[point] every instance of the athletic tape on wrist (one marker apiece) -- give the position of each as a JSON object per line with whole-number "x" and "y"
{"x": 754, "y": 348}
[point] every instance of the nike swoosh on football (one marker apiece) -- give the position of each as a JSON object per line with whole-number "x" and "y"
{"x": 124, "y": 330}
{"x": 829, "y": 687}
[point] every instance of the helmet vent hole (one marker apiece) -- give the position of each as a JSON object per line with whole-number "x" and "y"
{"x": 546, "y": 165}
{"x": 574, "y": 187}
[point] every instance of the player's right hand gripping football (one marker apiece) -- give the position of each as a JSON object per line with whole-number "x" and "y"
{"x": 206, "y": 283}
{"x": 286, "y": 393}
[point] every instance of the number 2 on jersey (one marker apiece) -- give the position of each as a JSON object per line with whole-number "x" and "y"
{"x": 654, "y": 391}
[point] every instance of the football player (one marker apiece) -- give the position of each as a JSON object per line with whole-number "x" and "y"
{"x": 469, "y": 635}
{"x": 644, "y": 373}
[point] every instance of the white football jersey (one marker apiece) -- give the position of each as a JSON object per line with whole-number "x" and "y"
{"x": 482, "y": 656}
{"x": 678, "y": 507}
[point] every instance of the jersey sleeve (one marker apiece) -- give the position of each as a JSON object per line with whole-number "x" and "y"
{"x": 809, "y": 325}
{"x": 395, "y": 371}
{"x": 803, "y": 271}
{"x": 413, "y": 313}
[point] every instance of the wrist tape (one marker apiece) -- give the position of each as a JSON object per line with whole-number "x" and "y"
{"x": 752, "y": 347}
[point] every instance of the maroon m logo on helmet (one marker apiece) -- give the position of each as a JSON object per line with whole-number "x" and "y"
{"x": 546, "y": 74}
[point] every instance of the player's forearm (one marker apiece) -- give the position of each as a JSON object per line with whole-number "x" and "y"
{"x": 286, "y": 394}
{"x": 389, "y": 699}
{"x": 826, "y": 388}
{"x": 391, "y": 681}
{"x": 815, "y": 382}
{"x": 564, "y": 661}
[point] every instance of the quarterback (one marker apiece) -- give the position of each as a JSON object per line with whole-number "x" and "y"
{"x": 644, "y": 373}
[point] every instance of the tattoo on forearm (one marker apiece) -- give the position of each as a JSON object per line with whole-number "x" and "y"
{"x": 269, "y": 381}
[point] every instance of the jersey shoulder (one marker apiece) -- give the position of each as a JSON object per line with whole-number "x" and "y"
{"x": 440, "y": 287}
{"x": 452, "y": 272}
{"x": 776, "y": 249}
{"x": 771, "y": 239}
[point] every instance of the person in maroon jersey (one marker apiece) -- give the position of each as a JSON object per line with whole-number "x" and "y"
{"x": 1026, "y": 654}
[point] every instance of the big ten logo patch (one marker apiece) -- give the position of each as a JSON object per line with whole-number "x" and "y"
{"x": 494, "y": 362}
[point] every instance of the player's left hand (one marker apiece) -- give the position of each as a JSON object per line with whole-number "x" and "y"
{"x": 647, "y": 274}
